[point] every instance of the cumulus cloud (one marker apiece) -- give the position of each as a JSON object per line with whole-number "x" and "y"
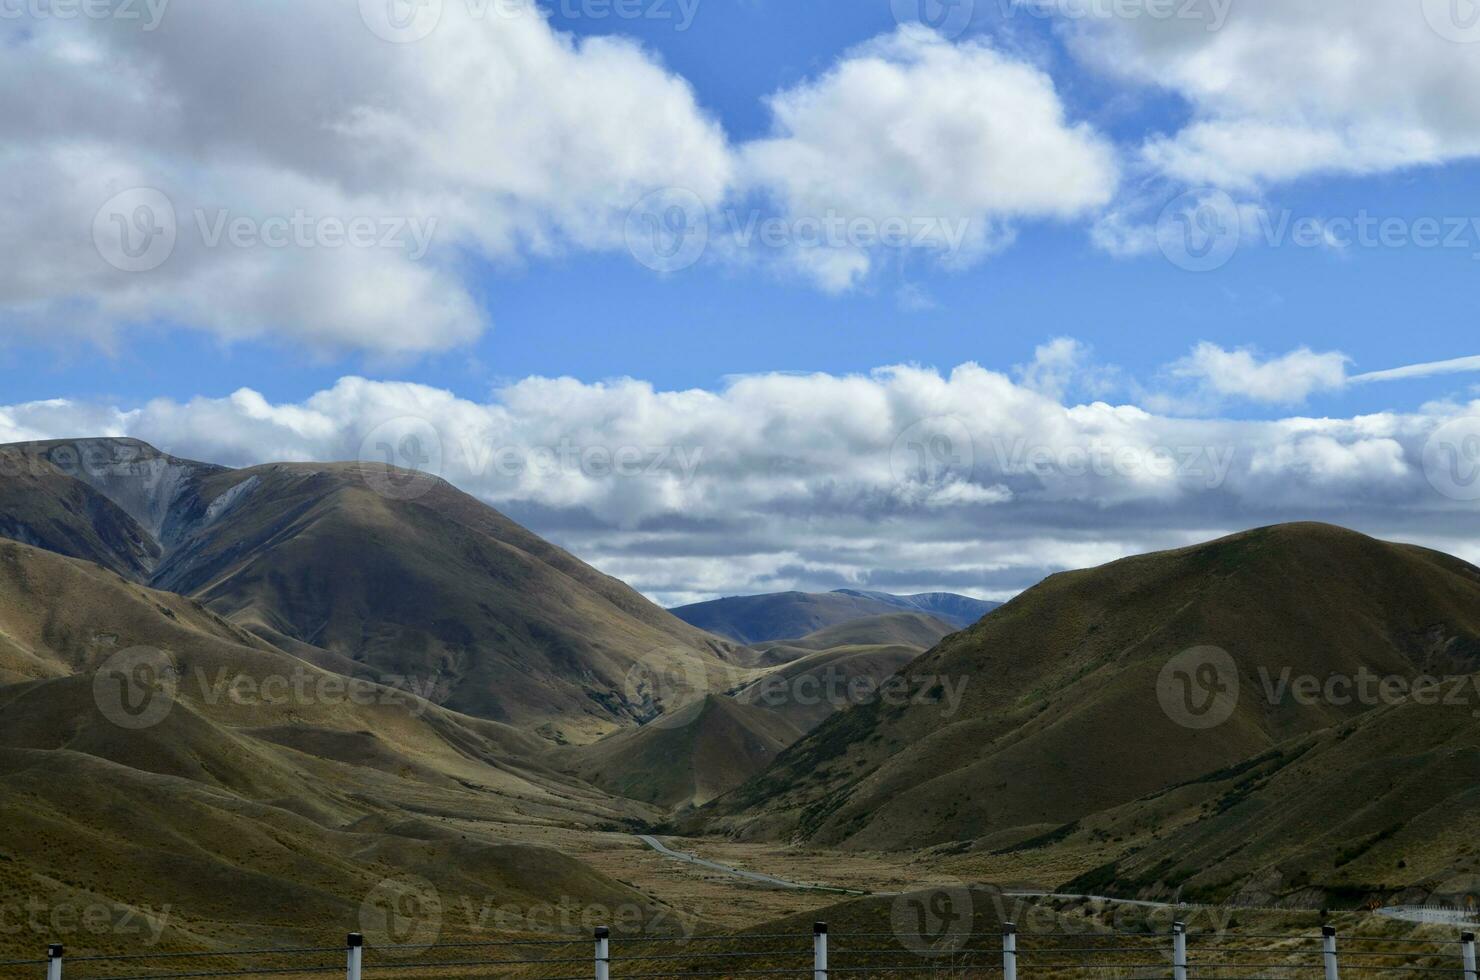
{"x": 1289, "y": 88}
{"x": 904, "y": 479}
{"x": 955, "y": 142}
{"x": 1288, "y": 379}
{"x": 274, "y": 131}
{"x": 313, "y": 179}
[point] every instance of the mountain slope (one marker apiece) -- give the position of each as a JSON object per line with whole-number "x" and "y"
{"x": 788, "y": 615}
{"x": 441, "y": 591}
{"x": 251, "y": 792}
{"x": 42, "y": 504}
{"x": 957, "y": 610}
{"x": 915, "y": 630}
{"x": 688, "y": 757}
{"x": 1061, "y": 715}
{"x": 1348, "y": 815}
{"x": 808, "y": 690}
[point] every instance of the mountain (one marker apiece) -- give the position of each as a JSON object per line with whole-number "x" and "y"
{"x": 809, "y": 689}
{"x": 913, "y": 630}
{"x": 1369, "y": 810}
{"x": 438, "y": 590}
{"x": 789, "y": 615}
{"x": 688, "y": 757}
{"x": 152, "y": 757}
{"x": 1068, "y": 716}
{"x": 958, "y": 610}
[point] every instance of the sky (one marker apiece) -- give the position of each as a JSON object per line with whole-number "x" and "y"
{"x": 871, "y": 293}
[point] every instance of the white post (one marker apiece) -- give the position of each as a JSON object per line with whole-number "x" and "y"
{"x": 1179, "y": 951}
{"x": 355, "y": 956}
{"x": 1468, "y": 939}
{"x": 1328, "y": 943}
{"x": 603, "y": 953}
{"x": 54, "y": 962}
{"x": 819, "y": 951}
{"x": 1009, "y": 951}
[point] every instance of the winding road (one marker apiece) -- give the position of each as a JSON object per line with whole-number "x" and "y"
{"x": 1408, "y": 913}
{"x": 766, "y": 879}
{"x": 756, "y": 876}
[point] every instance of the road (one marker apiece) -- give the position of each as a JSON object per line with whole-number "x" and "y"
{"x": 755, "y": 876}
{"x": 1407, "y": 913}
{"x": 766, "y": 879}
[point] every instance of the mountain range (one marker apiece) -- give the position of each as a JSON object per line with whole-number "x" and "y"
{"x": 1071, "y": 733}
{"x": 465, "y": 676}
{"x": 439, "y": 591}
{"x": 754, "y": 619}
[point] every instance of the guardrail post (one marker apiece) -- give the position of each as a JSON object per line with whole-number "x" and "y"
{"x": 1468, "y": 939}
{"x": 1179, "y": 951}
{"x": 54, "y": 962}
{"x": 1009, "y": 951}
{"x": 354, "y": 956}
{"x": 1328, "y": 947}
{"x": 819, "y": 951}
{"x": 603, "y": 953}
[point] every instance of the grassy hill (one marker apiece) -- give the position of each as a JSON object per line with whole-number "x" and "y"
{"x": 1062, "y": 717}
{"x": 815, "y": 686}
{"x": 914, "y": 630}
{"x": 250, "y": 812}
{"x": 688, "y": 757}
{"x": 441, "y": 591}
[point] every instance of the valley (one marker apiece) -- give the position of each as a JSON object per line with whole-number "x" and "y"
{"x": 263, "y": 704}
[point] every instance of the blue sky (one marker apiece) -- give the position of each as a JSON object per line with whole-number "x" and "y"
{"x": 596, "y": 315}
{"x": 1064, "y": 140}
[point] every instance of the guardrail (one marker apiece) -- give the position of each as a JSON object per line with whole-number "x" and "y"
{"x": 1142, "y": 956}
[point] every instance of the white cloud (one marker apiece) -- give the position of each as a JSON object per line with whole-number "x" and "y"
{"x": 1065, "y": 365}
{"x": 1458, "y": 365}
{"x": 957, "y": 140}
{"x": 504, "y": 136}
{"x": 903, "y": 479}
{"x": 493, "y": 137}
{"x": 1285, "y": 380}
{"x": 1289, "y": 88}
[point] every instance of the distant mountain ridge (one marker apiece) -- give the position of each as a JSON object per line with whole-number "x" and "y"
{"x": 790, "y": 615}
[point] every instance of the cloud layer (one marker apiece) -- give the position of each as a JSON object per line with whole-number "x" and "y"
{"x": 1283, "y": 89}
{"x": 903, "y": 479}
{"x": 296, "y": 119}
{"x": 306, "y": 171}
{"x": 320, "y": 172}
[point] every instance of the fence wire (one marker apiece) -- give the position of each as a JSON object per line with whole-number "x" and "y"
{"x": 1008, "y": 956}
